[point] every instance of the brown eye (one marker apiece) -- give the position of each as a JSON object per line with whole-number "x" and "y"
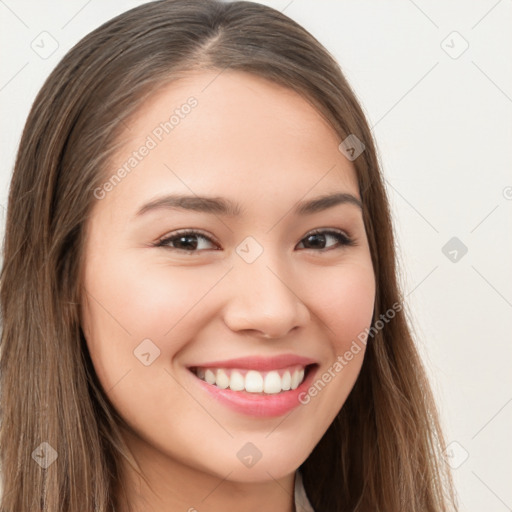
{"x": 319, "y": 239}
{"x": 186, "y": 241}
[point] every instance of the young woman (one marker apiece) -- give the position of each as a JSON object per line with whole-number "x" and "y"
{"x": 199, "y": 293}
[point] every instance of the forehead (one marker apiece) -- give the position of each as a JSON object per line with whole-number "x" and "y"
{"x": 213, "y": 131}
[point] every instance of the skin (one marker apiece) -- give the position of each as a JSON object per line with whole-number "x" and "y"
{"x": 265, "y": 147}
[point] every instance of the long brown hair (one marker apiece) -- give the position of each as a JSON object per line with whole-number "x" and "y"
{"x": 383, "y": 450}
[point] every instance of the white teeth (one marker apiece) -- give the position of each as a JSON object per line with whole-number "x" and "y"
{"x": 209, "y": 377}
{"x": 286, "y": 382}
{"x": 272, "y": 383}
{"x": 222, "y": 379}
{"x": 237, "y": 381}
{"x": 252, "y": 381}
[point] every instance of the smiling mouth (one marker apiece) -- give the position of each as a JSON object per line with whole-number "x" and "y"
{"x": 253, "y": 381}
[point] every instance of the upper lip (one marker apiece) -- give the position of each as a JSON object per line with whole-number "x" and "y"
{"x": 259, "y": 363}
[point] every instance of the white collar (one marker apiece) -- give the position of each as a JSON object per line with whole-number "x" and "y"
{"x": 302, "y": 503}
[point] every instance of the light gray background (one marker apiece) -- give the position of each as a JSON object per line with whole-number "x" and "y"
{"x": 441, "y": 116}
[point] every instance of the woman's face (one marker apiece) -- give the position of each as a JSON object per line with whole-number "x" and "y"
{"x": 251, "y": 298}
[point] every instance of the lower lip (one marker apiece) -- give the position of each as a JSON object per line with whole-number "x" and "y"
{"x": 252, "y": 404}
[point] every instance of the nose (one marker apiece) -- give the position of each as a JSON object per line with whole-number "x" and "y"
{"x": 263, "y": 300}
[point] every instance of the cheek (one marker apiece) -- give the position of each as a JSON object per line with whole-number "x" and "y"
{"x": 129, "y": 301}
{"x": 169, "y": 302}
{"x": 346, "y": 302}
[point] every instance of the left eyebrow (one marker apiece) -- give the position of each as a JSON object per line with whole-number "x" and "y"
{"x": 324, "y": 202}
{"x": 226, "y": 207}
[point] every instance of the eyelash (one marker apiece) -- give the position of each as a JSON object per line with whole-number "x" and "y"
{"x": 343, "y": 239}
